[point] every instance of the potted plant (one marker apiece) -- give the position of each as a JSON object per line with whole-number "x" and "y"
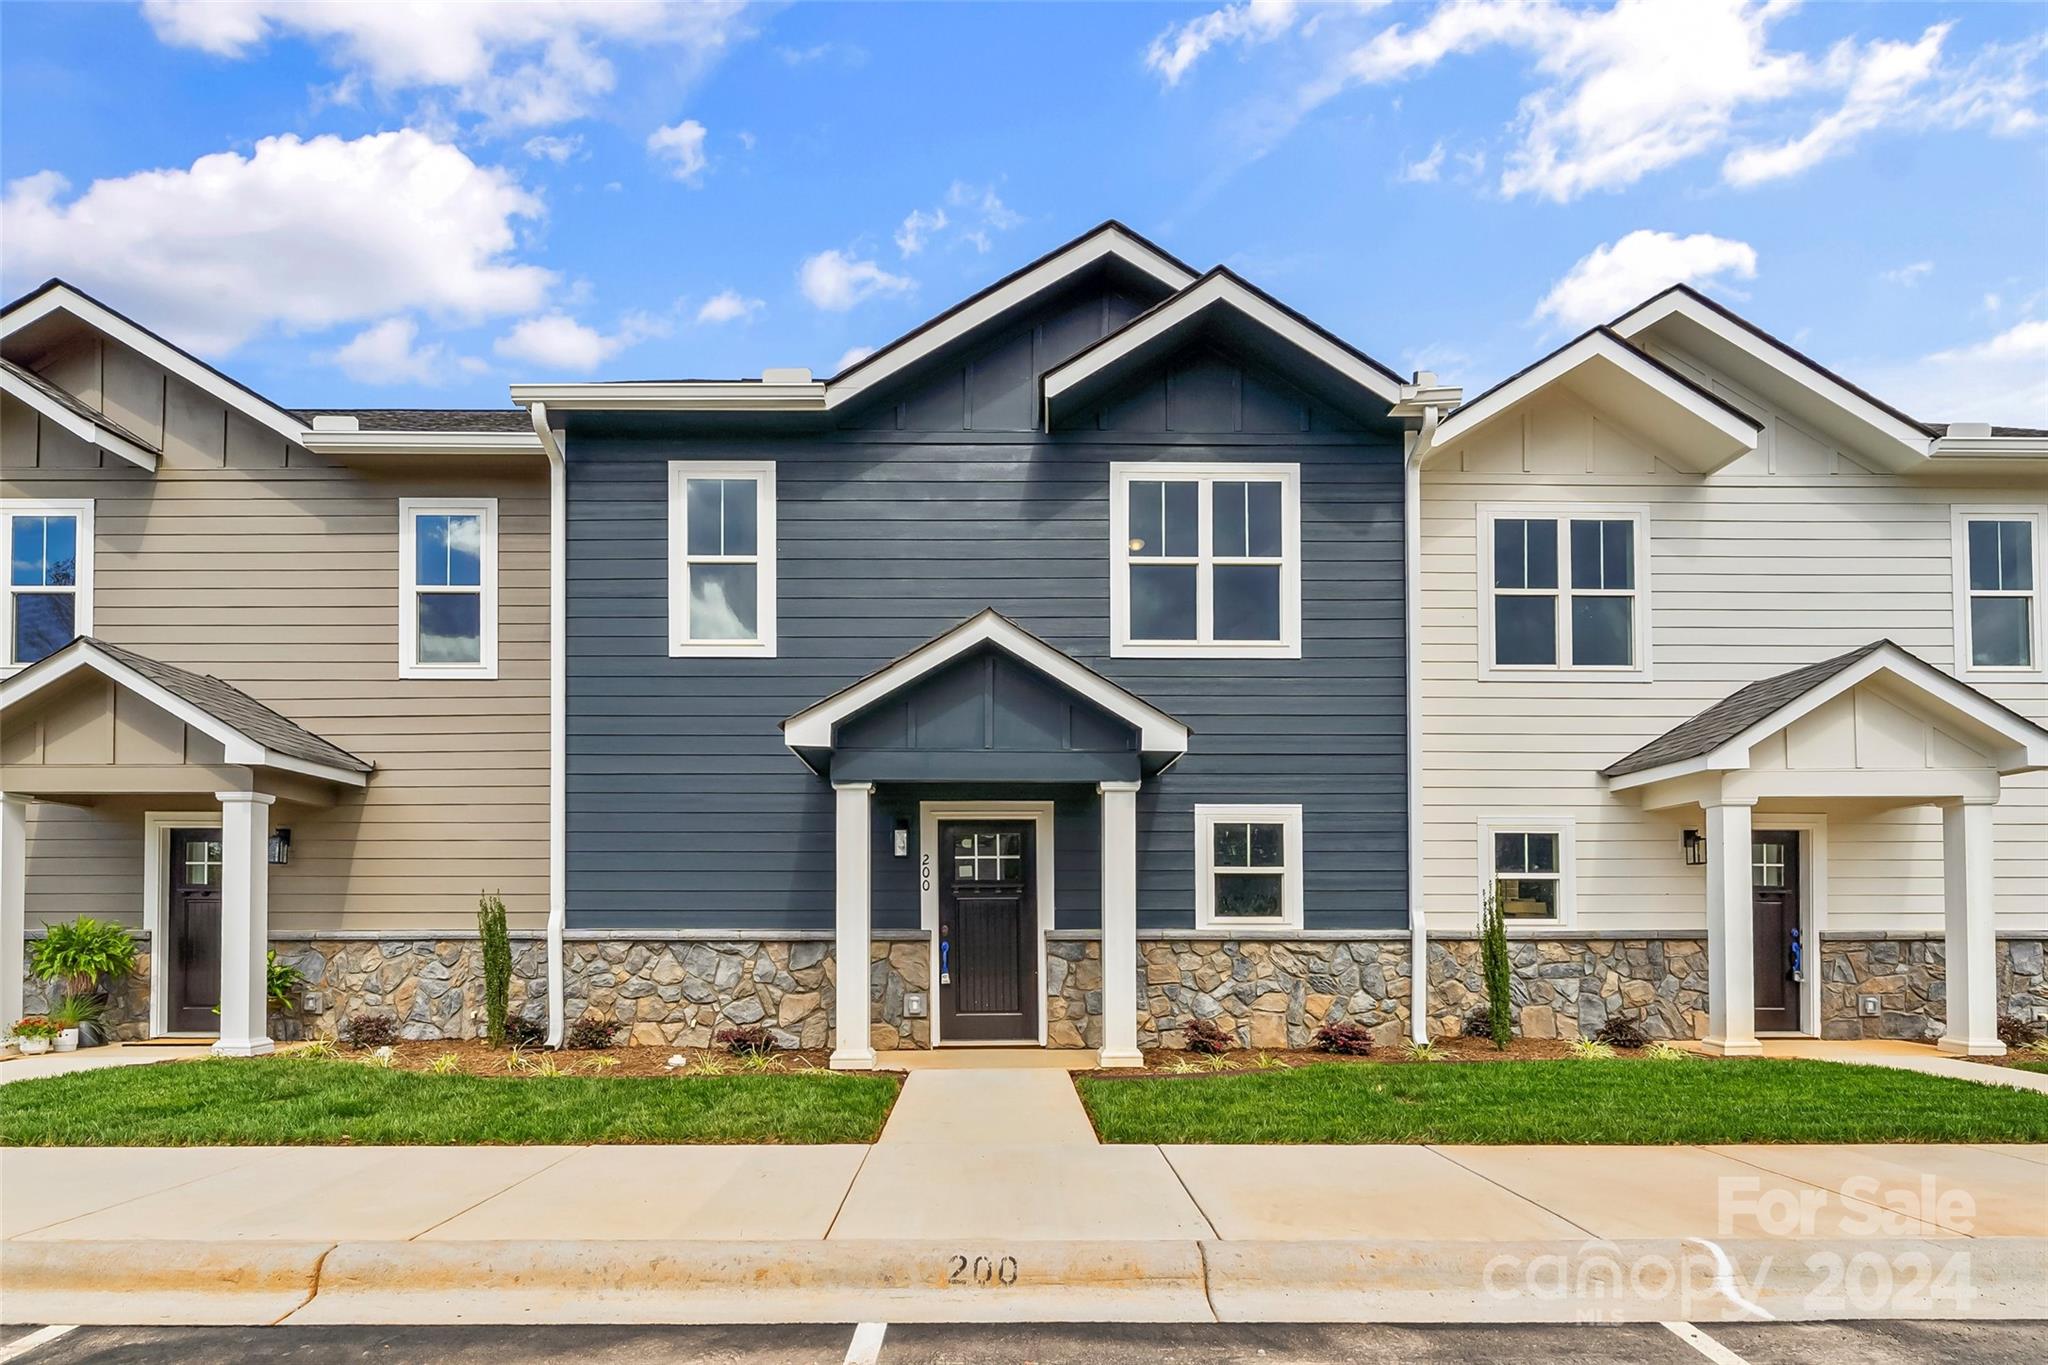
{"x": 73, "y": 1015}
{"x": 85, "y": 955}
{"x": 34, "y": 1034}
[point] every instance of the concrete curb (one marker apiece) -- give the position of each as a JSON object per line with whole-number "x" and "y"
{"x": 156, "y": 1283}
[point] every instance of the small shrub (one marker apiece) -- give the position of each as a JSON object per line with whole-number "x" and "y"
{"x": 383, "y": 1057}
{"x": 497, "y": 954}
{"x": 2016, "y": 1032}
{"x": 1620, "y": 1032}
{"x": 447, "y": 1064}
{"x": 370, "y": 1030}
{"x": 597, "y": 1066}
{"x": 2038, "y": 1048}
{"x": 745, "y": 1040}
{"x": 758, "y": 1061}
{"x": 1587, "y": 1050}
{"x": 1183, "y": 1066}
{"x": 517, "y": 1060}
{"x": 1347, "y": 1039}
{"x": 1479, "y": 1023}
{"x": 710, "y": 1064}
{"x": 547, "y": 1068}
{"x": 1206, "y": 1037}
{"x": 592, "y": 1034}
{"x": 1266, "y": 1061}
{"x": 281, "y": 982}
{"x": 1493, "y": 957}
{"x": 84, "y": 954}
{"x": 525, "y": 1031}
{"x": 1422, "y": 1052}
{"x": 319, "y": 1050}
{"x": 1661, "y": 1051}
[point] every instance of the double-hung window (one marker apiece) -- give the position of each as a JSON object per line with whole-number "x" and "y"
{"x": 1205, "y": 560}
{"x": 1998, "y": 589}
{"x": 1564, "y": 592}
{"x": 1525, "y": 865}
{"x": 49, "y": 577}
{"x": 448, "y": 588}
{"x": 1247, "y": 867}
{"x": 721, "y": 558}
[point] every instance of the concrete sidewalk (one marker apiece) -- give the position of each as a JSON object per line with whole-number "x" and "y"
{"x": 1904, "y": 1056}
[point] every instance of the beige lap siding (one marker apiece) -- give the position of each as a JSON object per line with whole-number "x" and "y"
{"x": 1790, "y": 556}
{"x": 246, "y": 557}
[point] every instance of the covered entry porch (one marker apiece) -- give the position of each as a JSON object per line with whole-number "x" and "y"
{"x": 1768, "y": 770}
{"x": 200, "y": 770}
{"x": 987, "y": 732}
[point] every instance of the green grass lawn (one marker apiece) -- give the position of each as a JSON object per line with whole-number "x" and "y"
{"x": 279, "y": 1100}
{"x": 1565, "y": 1101}
{"x": 2040, "y": 1068}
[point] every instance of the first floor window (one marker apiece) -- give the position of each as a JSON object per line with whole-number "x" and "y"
{"x": 1248, "y": 866}
{"x": 1525, "y": 869}
{"x": 448, "y": 600}
{"x": 722, "y": 558}
{"x": 1564, "y": 591}
{"x": 1998, "y": 601}
{"x": 1205, "y": 559}
{"x": 49, "y": 578}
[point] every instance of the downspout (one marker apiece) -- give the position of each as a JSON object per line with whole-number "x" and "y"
{"x": 558, "y": 677}
{"x": 1411, "y": 580}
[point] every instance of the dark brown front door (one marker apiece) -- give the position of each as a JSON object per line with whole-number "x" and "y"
{"x": 988, "y": 932}
{"x": 1780, "y": 954}
{"x": 192, "y": 966}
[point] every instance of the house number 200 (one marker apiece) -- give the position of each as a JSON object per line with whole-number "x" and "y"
{"x": 924, "y": 872}
{"x": 982, "y": 1270}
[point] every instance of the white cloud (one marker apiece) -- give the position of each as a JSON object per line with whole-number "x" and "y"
{"x": 729, "y": 306}
{"x": 911, "y": 237}
{"x": 1426, "y": 171}
{"x": 302, "y": 235}
{"x": 546, "y": 147}
{"x": 1177, "y": 49}
{"x": 515, "y": 63}
{"x": 2001, "y": 379}
{"x": 557, "y": 341}
{"x": 1907, "y": 275}
{"x": 1612, "y": 278}
{"x": 681, "y": 147}
{"x": 835, "y": 281}
{"x": 852, "y": 356}
{"x": 983, "y": 201}
{"x": 1880, "y": 80}
{"x": 388, "y": 353}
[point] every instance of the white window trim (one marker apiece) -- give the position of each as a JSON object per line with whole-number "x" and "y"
{"x": 1121, "y": 474}
{"x": 1564, "y": 514}
{"x": 1566, "y": 830}
{"x": 929, "y": 813}
{"x": 81, "y": 620}
{"x": 156, "y": 862}
{"x": 680, "y": 645}
{"x": 409, "y": 510}
{"x": 1960, "y": 518}
{"x": 1207, "y": 817}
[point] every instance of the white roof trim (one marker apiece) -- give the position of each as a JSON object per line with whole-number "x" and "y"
{"x": 1212, "y": 292}
{"x": 1909, "y": 439}
{"x": 2003, "y": 449}
{"x": 92, "y": 433}
{"x": 1157, "y": 732}
{"x": 2026, "y": 743}
{"x": 676, "y": 395}
{"x": 1716, "y": 421}
{"x": 238, "y": 747}
{"x": 62, "y": 298}
{"x": 422, "y": 442}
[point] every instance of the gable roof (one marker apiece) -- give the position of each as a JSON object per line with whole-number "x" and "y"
{"x": 73, "y": 415}
{"x": 251, "y": 732}
{"x": 1721, "y": 736}
{"x": 511, "y": 420}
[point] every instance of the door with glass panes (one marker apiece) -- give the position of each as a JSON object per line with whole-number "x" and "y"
{"x": 988, "y": 932}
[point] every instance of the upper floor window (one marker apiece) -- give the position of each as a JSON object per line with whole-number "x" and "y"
{"x": 1247, "y": 867}
{"x": 49, "y": 577}
{"x": 1564, "y": 591}
{"x": 1205, "y": 560}
{"x": 1998, "y": 595}
{"x": 448, "y": 595}
{"x": 721, "y": 558}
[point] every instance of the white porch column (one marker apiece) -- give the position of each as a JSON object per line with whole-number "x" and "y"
{"x": 1966, "y": 839}
{"x": 1120, "y": 924}
{"x": 1731, "y": 932}
{"x": 244, "y": 923}
{"x": 13, "y": 903}
{"x": 853, "y": 927}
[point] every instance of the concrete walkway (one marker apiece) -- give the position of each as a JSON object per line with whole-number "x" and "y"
{"x": 1904, "y": 1056}
{"x": 18, "y": 1068}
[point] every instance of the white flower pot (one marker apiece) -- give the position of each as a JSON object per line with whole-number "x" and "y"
{"x": 67, "y": 1040}
{"x": 32, "y": 1046}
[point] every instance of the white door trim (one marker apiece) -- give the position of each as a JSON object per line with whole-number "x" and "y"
{"x": 1813, "y": 908}
{"x": 929, "y": 813}
{"x": 156, "y": 889}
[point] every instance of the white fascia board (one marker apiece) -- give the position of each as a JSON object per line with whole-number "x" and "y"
{"x": 1690, "y": 404}
{"x": 237, "y": 747}
{"x": 1215, "y": 291}
{"x": 1047, "y": 275}
{"x": 422, "y": 442}
{"x": 1157, "y": 731}
{"x": 64, "y": 299}
{"x": 92, "y": 433}
{"x": 2004, "y": 449}
{"x": 1912, "y": 441}
{"x": 680, "y": 395}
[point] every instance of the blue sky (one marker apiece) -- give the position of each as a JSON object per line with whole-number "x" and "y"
{"x": 390, "y": 205}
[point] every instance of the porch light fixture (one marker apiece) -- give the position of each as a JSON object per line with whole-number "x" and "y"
{"x": 1695, "y": 849}
{"x": 281, "y": 846}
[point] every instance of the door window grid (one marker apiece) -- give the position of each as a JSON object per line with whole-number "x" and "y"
{"x": 202, "y": 862}
{"x": 990, "y": 857}
{"x": 1767, "y": 867}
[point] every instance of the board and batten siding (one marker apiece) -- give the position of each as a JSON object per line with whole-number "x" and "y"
{"x": 686, "y": 809}
{"x": 246, "y": 557}
{"x": 1791, "y": 555}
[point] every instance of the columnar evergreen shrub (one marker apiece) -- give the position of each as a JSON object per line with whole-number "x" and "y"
{"x": 497, "y": 951}
{"x": 1493, "y": 958}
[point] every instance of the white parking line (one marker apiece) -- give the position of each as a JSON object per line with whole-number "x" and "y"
{"x": 42, "y": 1336}
{"x": 1704, "y": 1344}
{"x": 866, "y": 1346}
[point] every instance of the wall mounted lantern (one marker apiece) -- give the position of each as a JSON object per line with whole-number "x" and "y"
{"x": 280, "y": 846}
{"x": 1695, "y": 849}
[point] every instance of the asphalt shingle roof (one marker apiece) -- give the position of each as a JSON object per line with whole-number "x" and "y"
{"x": 76, "y": 405}
{"x": 428, "y": 419}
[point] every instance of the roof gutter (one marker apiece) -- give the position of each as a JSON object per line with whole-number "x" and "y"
{"x": 558, "y": 679}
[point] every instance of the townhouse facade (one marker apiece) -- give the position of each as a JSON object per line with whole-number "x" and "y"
{"x": 1118, "y": 648}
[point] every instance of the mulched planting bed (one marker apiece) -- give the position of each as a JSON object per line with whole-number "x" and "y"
{"x": 477, "y": 1058}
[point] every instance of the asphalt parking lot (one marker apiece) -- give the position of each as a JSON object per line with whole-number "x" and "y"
{"x": 1872, "y": 1343}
